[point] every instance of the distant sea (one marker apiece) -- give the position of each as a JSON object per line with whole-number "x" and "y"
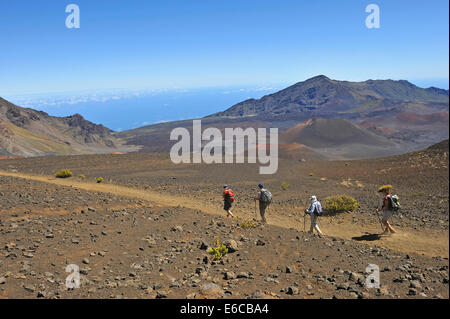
{"x": 122, "y": 110}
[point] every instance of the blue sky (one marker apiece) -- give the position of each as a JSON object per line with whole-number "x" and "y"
{"x": 164, "y": 44}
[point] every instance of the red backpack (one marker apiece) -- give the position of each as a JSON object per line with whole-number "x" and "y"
{"x": 230, "y": 194}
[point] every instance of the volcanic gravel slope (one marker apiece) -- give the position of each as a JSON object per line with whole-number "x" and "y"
{"x": 155, "y": 246}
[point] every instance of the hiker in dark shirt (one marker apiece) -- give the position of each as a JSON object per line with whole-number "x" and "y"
{"x": 265, "y": 198}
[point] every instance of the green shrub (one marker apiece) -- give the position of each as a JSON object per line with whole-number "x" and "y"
{"x": 219, "y": 251}
{"x": 340, "y": 204}
{"x": 248, "y": 224}
{"x": 311, "y": 174}
{"x": 100, "y": 179}
{"x": 81, "y": 176}
{"x": 284, "y": 186}
{"x": 65, "y": 173}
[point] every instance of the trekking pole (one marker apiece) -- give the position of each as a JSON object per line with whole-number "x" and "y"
{"x": 304, "y": 222}
{"x": 304, "y": 217}
{"x": 379, "y": 219}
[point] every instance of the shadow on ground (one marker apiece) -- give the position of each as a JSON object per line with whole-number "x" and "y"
{"x": 367, "y": 237}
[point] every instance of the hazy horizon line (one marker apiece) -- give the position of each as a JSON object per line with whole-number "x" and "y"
{"x": 419, "y": 82}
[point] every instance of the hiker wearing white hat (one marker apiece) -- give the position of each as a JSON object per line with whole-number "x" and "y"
{"x": 314, "y": 211}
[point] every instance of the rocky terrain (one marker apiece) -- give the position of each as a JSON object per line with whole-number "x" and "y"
{"x": 145, "y": 230}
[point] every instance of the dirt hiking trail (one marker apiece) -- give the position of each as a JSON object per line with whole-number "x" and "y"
{"x": 429, "y": 243}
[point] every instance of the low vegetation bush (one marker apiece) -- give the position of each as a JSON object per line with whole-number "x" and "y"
{"x": 248, "y": 224}
{"x": 284, "y": 186}
{"x": 219, "y": 250}
{"x": 100, "y": 179}
{"x": 81, "y": 176}
{"x": 340, "y": 204}
{"x": 65, "y": 173}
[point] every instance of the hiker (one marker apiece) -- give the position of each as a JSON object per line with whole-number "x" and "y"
{"x": 387, "y": 208}
{"x": 314, "y": 211}
{"x": 265, "y": 198}
{"x": 228, "y": 200}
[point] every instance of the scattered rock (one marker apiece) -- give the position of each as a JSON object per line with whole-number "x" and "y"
{"x": 415, "y": 284}
{"x": 210, "y": 291}
{"x": 412, "y": 292}
{"x": 260, "y": 243}
{"x": 229, "y": 275}
{"x": 292, "y": 290}
{"x": 29, "y": 288}
{"x": 231, "y": 245}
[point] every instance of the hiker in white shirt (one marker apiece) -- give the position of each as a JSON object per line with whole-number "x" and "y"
{"x": 314, "y": 211}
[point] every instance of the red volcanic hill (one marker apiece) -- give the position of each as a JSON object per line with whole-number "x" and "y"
{"x": 413, "y": 118}
{"x": 320, "y": 133}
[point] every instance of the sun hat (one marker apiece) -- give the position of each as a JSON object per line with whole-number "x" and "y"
{"x": 384, "y": 188}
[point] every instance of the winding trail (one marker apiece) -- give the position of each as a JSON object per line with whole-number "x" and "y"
{"x": 430, "y": 243}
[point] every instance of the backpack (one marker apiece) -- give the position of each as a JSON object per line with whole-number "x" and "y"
{"x": 394, "y": 203}
{"x": 266, "y": 196}
{"x": 317, "y": 210}
{"x": 230, "y": 194}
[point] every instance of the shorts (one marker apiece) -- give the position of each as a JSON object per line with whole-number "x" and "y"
{"x": 387, "y": 214}
{"x": 226, "y": 205}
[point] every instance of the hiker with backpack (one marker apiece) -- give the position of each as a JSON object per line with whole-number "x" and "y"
{"x": 228, "y": 200}
{"x": 314, "y": 211}
{"x": 265, "y": 198}
{"x": 390, "y": 204}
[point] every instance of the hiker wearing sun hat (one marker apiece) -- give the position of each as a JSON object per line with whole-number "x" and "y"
{"x": 387, "y": 208}
{"x": 314, "y": 211}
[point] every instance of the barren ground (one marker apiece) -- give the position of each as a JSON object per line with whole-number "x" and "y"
{"x": 124, "y": 234}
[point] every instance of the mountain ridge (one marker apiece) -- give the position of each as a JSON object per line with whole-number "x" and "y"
{"x": 323, "y": 94}
{"x": 381, "y": 117}
{"x": 28, "y": 132}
